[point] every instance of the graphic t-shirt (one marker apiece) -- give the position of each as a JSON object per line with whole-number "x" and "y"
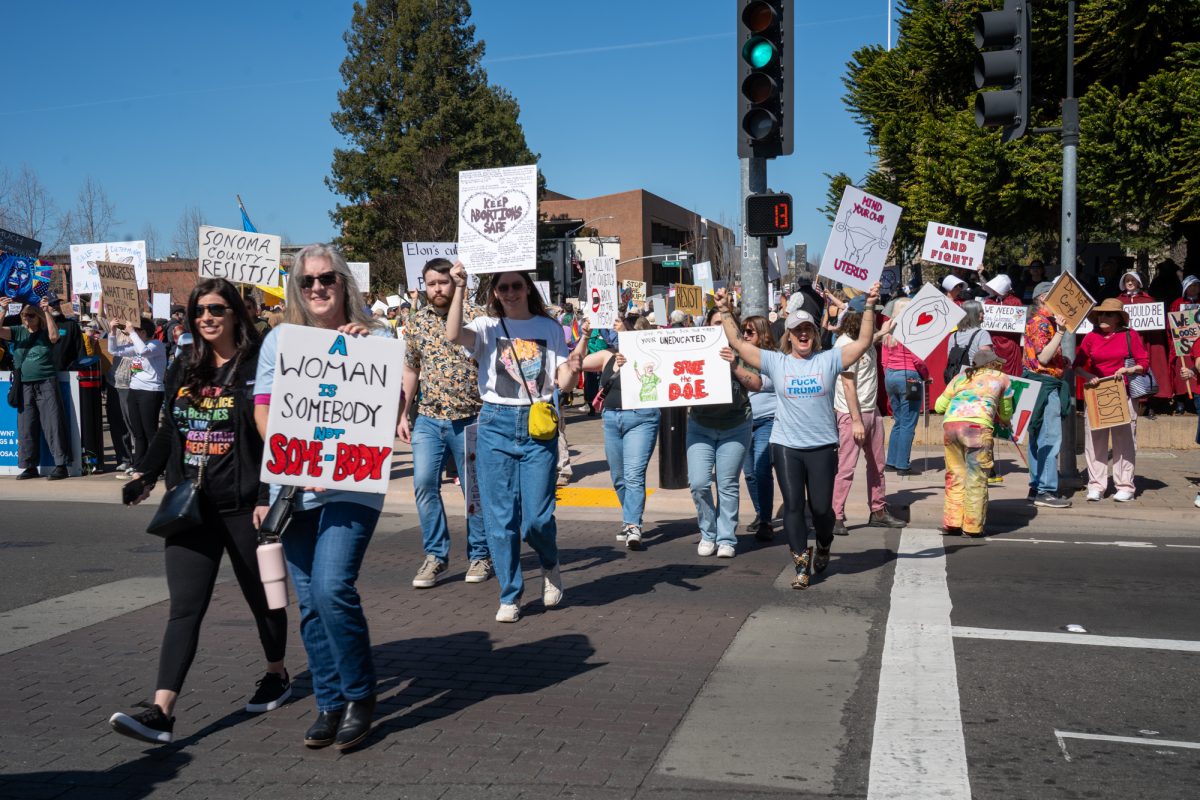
{"x": 208, "y": 427}
{"x": 804, "y": 390}
{"x": 531, "y": 357}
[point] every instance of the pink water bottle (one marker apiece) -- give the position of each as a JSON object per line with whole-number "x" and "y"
{"x": 273, "y": 571}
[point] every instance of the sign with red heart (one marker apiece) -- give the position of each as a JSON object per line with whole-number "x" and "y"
{"x": 927, "y": 321}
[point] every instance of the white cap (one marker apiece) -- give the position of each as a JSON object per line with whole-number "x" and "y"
{"x": 950, "y": 281}
{"x": 1133, "y": 275}
{"x": 798, "y": 318}
{"x": 999, "y": 285}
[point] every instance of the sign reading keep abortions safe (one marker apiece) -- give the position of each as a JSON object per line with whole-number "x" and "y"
{"x": 239, "y": 256}
{"x": 333, "y": 410}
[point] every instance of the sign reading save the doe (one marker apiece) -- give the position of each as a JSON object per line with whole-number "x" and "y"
{"x": 333, "y": 410}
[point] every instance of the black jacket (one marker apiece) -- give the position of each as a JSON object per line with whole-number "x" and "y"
{"x": 165, "y": 451}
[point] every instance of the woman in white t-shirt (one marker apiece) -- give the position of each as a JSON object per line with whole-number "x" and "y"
{"x": 804, "y": 440}
{"x": 523, "y": 359}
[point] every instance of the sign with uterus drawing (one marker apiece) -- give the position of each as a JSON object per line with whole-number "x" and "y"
{"x": 861, "y": 237}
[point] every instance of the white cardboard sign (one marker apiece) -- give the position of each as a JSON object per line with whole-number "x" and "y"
{"x": 85, "y": 278}
{"x": 394, "y": 300}
{"x": 239, "y": 256}
{"x": 954, "y": 246}
{"x": 659, "y": 305}
{"x": 1004, "y": 319}
{"x": 601, "y": 303}
{"x": 362, "y": 274}
{"x": 418, "y": 254}
{"x": 161, "y": 305}
{"x": 333, "y": 410}
{"x": 927, "y": 321}
{"x": 1025, "y": 395}
{"x": 702, "y": 274}
{"x": 1146, "y": 316}
{"x": 543, "y": 288}
{"x": 859, "y": 242}
{"x": 674, "y": 367}
{"x": 497, "y": 219}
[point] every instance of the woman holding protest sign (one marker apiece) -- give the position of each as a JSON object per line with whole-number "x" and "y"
{"x": 1155, "y": 342}
{"x": 903, "y": 374}
{"x": 38, "y": 402}
{"x": 330, "y": 530}
{"x": 1106, "y": 351}
{"x": 148, "y": 359}
{"x": 804, "y": 439}
{"x": 1181, "y": 384}
{"x": 207, "y": 436}
{"x": 523, "y": 365}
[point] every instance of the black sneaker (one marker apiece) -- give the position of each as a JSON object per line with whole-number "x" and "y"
{"x": 1047, "y": 500}
{"x": 149, "y": 725}
{"x": 839, "y": 527}
{"x": 27, "y": 474}
{"x": 1033, "y": 493}
{"x": 273, "y": 691}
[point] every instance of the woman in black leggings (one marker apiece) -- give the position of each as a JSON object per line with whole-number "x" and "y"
{"x": 207, "y": 434}
{"x": 804, "y": 439}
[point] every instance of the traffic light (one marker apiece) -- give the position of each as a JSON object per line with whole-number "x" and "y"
{"x": 1007, "y": 66}
{"x": 769, "y": 215}
{"x": 766, "y": 54}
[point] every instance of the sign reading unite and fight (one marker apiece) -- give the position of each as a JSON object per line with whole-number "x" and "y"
{"x": 859, "y": 242}
{"x": 333, "y": 410}
{"x": 239, "y": 256}
{"x": 954, "y": 246}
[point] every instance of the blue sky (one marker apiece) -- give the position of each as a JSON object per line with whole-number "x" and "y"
{"x": 172, "y": 105}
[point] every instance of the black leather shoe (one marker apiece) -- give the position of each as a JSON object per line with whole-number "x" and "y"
{"x": 324, "y": 730}
{"x": 27, "y": 474}
{"x": 356, "y": 723}
{"x": 57, "y": 474}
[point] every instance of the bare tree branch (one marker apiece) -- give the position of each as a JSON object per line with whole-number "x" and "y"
{"x": 92, "y": 217}
{"x": 187, "y": 233}
{"x": 31, "y": 209}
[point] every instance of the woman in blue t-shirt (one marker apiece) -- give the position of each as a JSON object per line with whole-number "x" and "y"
{"x": 804, "y": 439}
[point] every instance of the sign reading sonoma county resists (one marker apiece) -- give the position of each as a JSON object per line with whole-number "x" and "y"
{"x": 239, "y": 256}
{"x": 333, "y": 410}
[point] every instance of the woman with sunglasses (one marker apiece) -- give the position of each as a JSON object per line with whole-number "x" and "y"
{"x": 523, "y": 359}
{"x": 207, "y": 434}
{"x": 40, "y": 408}
{"x": 804, "y": 439}
{"x": 330, "y": 530}
{"x": 760, "y": 480}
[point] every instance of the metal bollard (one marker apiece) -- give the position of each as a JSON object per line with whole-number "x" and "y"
{"x": 672, "y": 448}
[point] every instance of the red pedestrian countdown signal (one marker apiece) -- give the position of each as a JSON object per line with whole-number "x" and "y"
{"x": 769, "y": 215}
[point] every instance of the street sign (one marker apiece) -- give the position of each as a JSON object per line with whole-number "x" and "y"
{"x": 675, "y": 264}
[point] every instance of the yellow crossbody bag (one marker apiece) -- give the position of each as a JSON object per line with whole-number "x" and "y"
{"x": 543, "y": 417}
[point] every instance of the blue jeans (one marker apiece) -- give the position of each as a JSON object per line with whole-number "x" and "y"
{"x": 1044, "y": 444}
{"x": 757, "y": 466}
{"x": 629, "y": 439}
{"x": 325, "y": 548}
{"x": 905, "y": 414}
{"x": 431, "y": 438}
{"x": 726, "y": 451}
{"x": 516, "y": 487}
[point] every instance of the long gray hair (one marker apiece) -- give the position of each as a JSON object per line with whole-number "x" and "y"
{"x": 974, "y": 315}
{"x": 297, "y": 312}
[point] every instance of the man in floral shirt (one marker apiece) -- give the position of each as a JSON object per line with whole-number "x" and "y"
{"x": 449, "y": 402}
{"x": 1044, "y": 363}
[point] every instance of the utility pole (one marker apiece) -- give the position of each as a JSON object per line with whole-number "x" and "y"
{"x": 1067, "y": 464}
{"x": 754, "y": 253}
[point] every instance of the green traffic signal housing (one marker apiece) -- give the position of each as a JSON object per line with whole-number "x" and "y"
{"x": 766, "y": 55}
{"x": 1007, "y": 67}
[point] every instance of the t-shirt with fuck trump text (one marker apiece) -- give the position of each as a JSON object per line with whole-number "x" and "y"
{"x": 515, "y": 371}
{"x": 804, "y": 386}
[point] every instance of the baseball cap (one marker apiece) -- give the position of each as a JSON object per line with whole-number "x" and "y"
{"x": 1043, "y": 288}
{"x": 798, "y": 318}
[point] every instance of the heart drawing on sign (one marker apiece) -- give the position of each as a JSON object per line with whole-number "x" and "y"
{"x": 924, "y": 319}
{"x": 493, "y": 216}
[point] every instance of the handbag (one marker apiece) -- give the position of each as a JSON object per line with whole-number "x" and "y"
{"x": 14, "y": 389}
{"x": 180, "y": 508}
{"x": 1142, "y": 385}
{"x": 543, "y": 418}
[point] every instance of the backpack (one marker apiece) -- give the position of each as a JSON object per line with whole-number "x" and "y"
{"x": 958, "y": 357}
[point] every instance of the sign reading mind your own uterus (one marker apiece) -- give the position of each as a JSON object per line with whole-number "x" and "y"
{"x": 861, "y": 237}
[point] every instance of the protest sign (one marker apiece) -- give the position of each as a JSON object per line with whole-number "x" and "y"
{"x": 362, "y": 274}
{"x": 1146, "y": 316}
{"x": 497, "y": 219}
{"x": 674, "y": 367}
{"x": 1107, "y": 403}
{"x": 470, "y": 473}
{"x": 24, "y": 278}
{"x": 659, "y": 305}
{"x": 637, "y": 291}
{"x": 161, "y": 305}
{"x": 776, "y": 262}
{"x": 119, "y": 289}
{"x": 379, "y": 306}
{"x": 84, "y": 278}
{"x": 1185, "y": 330}
{"x": 333, "y": 410}
{"x": 953, "y": 246}
{"x": 394, "y": 300}
{"x": 702, "y": 274}
{"x": 889, "y": 281}
{"x": 858, "y": 244}
{"x": 601, "y": 277}
{"x": 543, "y": 288}
{"x": 927, "y": 321}
{"x": 1068, "y": 298}
{"x": 18, "y": 245}
{"x": 1024, "y": 397}
{"x": 689, "y": 299}
{"x": 1004, "y": 319}
{"x": 239, "y": 256}
{"x": 418, "y": 254}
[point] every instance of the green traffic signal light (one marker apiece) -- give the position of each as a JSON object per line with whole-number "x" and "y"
{"x": 759, "y": 52}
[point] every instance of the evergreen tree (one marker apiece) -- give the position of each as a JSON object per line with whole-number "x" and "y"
{"x": 416, "y": 109}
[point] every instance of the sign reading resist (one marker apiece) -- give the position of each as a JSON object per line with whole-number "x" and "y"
{"x": 333, "y": 410}
{"x": 239, "y": 256}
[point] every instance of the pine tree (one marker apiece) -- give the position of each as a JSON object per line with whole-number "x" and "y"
{"x": 416, "y": 109}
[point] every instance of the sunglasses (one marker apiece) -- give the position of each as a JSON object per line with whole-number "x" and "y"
{"x": 505, "y": 288}
{"x": 748, "y": 332}
{"x": 218, "y": 310}
{"x": 326, "y": 279}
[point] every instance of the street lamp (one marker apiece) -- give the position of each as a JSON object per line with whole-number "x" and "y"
{"x": 565, "y": 289}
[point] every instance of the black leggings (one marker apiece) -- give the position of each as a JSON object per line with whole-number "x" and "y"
{"x": 193, "y": 558}
{"x": 144, "y": 408}
{"x": 811, "y": 473}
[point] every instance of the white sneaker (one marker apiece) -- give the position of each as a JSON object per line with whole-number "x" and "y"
{"x": 633, "y": 538}
{"x": 726, "y": 551}
{"x": 706, "y": 548}
{"x": 552, "y": 589}
{"x": 509, "y": 612}
{"x": 1093, "y": 496}
{"x": 624, "y": 532}
{"x": 1196, "y": 502}
{"x": 1123, "y": 496}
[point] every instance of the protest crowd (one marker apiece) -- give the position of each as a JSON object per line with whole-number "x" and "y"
{"x": 271, "y": 427}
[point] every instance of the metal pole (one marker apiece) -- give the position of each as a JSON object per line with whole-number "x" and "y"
{"x": 754, "y": 254}
{"x": 1067, "y": 464}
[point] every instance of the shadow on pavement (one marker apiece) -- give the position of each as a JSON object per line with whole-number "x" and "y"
{"x": 130, "y": 781}
{"x": 611, "y": 588}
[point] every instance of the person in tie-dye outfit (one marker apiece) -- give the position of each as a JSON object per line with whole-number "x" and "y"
{"x": 972, "y": 404}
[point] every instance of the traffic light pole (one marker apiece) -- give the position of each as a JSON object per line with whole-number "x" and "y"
{"x": 1067, "y": 463}
{"x": 754, "y": 253}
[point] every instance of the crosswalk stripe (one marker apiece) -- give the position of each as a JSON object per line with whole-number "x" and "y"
{"x": 1056, "y": 637}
